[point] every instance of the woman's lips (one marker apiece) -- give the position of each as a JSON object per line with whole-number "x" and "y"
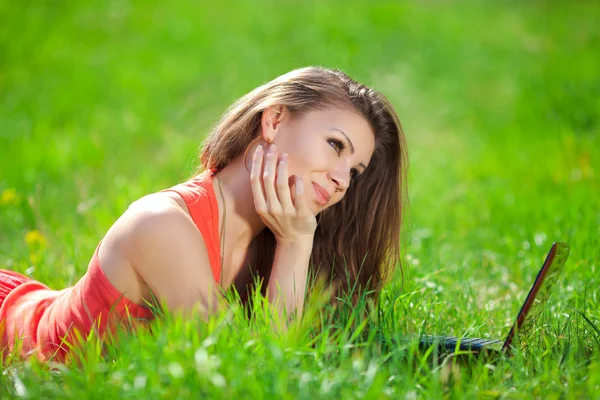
{"x": 322, "y": 194}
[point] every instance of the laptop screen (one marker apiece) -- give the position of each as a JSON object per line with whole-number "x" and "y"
{"x": 540, "y": 291}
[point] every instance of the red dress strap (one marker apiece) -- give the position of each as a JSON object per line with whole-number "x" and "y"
{"x": 199, "y": 196}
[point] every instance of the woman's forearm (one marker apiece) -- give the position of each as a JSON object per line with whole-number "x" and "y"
{"x": 287, "y": 283}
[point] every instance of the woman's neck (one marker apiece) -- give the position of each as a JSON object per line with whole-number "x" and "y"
{"x": 243, "y": 223}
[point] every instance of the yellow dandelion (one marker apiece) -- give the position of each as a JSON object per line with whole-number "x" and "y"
{"x": 9, "y": 196}
{"x": 585, "y": 165}
{"x": 35, "y": 238}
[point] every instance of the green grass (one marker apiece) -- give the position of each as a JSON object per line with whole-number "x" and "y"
{"x": 101, "y": 103}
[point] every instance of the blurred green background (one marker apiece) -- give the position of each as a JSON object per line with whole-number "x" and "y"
{"x": 104, "y": 102}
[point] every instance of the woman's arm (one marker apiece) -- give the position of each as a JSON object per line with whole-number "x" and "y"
{"x": 287, "y": 283}
{"x": 158, "y": 241}
{"x": 292, "y": 224}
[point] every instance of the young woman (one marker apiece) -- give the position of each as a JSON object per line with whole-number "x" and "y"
{"x": 305, "y": 174}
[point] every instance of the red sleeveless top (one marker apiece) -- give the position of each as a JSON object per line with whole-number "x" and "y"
{"x": 35, "y": 320}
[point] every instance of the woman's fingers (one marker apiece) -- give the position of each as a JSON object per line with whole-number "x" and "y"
{"x": 301, "y": 205}
{"x": 260, "y": 203}
{"x": 269, "y": 175}
{"x": 273, "y": 198}
{"x": 283, "y": 187}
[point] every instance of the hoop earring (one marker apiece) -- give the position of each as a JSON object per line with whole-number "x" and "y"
{"x": 268, "y": 140}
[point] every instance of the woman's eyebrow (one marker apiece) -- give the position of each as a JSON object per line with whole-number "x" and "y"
{"x": 351, "y": 145}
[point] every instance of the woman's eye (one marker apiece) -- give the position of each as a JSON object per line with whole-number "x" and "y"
{"x": 337, "y": 145}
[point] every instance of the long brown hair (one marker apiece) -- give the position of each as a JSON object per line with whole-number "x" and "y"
{"x": 357, "y": 241}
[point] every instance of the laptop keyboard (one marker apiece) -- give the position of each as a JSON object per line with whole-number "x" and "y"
{"x": 449, "y": 342}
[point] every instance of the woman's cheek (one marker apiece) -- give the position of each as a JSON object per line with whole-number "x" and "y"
{"x": 302, "y": 158}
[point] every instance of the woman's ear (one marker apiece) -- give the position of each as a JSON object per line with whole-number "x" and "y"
{"x": 272, "y": 117}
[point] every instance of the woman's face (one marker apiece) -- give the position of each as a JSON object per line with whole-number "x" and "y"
{"x": 327, "y": 148}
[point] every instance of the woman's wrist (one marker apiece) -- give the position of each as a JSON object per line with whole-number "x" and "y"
{"x": 296, "y": 244}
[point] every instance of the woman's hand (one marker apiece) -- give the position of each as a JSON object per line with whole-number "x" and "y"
{"x": 289, "y": 221}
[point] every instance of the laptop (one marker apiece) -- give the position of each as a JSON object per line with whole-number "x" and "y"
{"x": 531, "y": 309}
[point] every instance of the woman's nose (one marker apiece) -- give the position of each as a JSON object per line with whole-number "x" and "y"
{"x": 340, "y": 177}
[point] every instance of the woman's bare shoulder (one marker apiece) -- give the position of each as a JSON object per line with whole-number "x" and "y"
{"x": 156, "y": 243}
{"x": 155, "y": 214}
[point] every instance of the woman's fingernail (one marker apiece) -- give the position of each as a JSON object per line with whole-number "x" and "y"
{"x": 258, "y": 150}
{"x": 284, "y": 157}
